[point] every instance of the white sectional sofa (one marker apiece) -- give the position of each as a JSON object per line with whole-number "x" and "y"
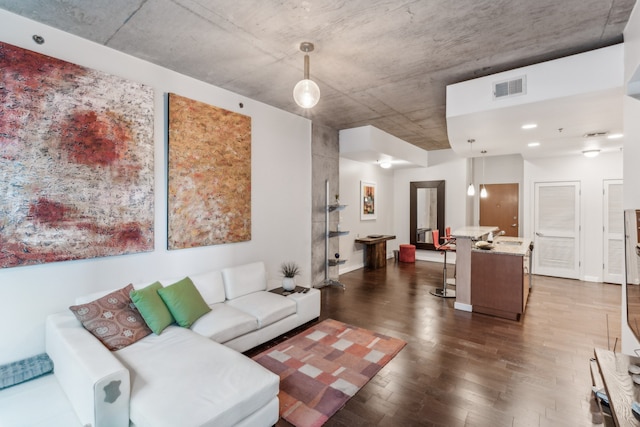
{"x": 184, "y": 376}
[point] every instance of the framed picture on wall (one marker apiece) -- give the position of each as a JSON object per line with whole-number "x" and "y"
{"x": 367, "y": 200}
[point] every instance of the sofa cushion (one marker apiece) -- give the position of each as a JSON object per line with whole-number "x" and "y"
{"x": 113, "y": 319}
{"x": 184, "y": 302}
{"x": 153, "y": 310}
{"x": 210, "y": 286}
{"x": 265, "y": 306}
{"x": 244, "y": 279}
{"x": 213, "y": 386}
{"x": 224, "y": 323}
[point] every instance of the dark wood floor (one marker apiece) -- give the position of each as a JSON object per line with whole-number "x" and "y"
{"x": 467, "y": 369}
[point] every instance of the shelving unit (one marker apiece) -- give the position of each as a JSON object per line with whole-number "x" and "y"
{"x": 331, "y": 262}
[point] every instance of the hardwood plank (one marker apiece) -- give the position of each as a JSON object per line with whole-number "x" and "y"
{"x": 470, "y": 369}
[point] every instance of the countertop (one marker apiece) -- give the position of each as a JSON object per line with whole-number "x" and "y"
{"x": 473, "y": 232}
{"x": 508, "y": 246}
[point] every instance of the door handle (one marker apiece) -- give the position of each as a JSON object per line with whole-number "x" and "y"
{"x": 514, "y": 225}
{"x": 539, "y": 234}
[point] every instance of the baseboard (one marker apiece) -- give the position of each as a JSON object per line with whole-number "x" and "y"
{"x": 595, "y": 279}
{"x": 435, "y": 257}
{"x": 350, "y": 268}
{"x": 463, "y": 307}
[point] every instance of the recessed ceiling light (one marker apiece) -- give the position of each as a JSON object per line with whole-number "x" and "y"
{"x": 615, "y": 136}
{"x": 533, "y": 144}
{"x": 529, "y": 126}
{"x": 591, "y": 153}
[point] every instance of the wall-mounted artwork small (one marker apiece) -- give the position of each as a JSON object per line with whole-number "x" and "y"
{"x": 367, "y": 200}
{"x": 209, "y": 175}
{"x": 76, "y": 161}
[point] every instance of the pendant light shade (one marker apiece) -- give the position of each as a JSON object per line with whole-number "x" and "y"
{"x": 471, "y": 190}
{"x": 306, "y": 93}
{"x": 483, "y": 191}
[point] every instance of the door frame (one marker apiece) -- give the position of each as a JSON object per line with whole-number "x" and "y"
{"x": 606, "y": 235}
{"x": 576, "y": 233}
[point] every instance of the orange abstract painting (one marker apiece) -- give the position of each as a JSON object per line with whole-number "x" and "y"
{"x": 209, "y": 175}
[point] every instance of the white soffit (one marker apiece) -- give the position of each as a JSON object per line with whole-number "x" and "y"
{"x": 368, "y": 144}
{"x": 567, "y": 98}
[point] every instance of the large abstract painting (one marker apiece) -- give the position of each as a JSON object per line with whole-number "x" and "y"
{"x": 76, "y": 161}
{"x": 209, "y": 175}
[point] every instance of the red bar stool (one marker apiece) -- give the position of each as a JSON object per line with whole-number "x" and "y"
{"x": 446, "y": 246}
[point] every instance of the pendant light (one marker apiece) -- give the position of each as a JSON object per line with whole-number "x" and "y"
{"x": 306, "y": 93}
{"x": 483, "y": 191}
{"x": 471, "y": 190}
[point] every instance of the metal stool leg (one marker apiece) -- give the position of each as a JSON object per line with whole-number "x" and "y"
{"x": 444, "y": 292}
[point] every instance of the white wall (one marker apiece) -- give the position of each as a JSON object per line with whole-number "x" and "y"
{"x": 454, "y": 172}
{"x": 498, "y": 170}
{"x": 281, "y": 206}
{"x": 590, "y": 173}
{"x": 351, "y": 173}
{"x": 631, "y": 192}
{"x": 587, "y": 72}
{"x": 393, "y": 204}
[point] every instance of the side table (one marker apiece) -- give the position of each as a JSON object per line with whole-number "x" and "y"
{"x": 281, "y": 291}
{"x": 307, "y": 304}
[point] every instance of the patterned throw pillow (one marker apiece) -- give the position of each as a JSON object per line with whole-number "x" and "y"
{"x": 113, "y": 319}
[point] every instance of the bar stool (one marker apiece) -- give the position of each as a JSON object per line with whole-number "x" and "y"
{"x": 443, "y": 248}
{"x": 451, "y": 242}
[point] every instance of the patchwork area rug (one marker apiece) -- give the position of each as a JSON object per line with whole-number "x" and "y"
{"x": 324, "y": 366}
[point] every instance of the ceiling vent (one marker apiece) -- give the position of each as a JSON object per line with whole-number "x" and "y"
{"x": 595, "y": 134}
{"x": 509, "y": 88}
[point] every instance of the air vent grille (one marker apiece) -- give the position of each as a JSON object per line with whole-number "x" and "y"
{"x": 595, "y": 134}
{"x": 509, "y": 88}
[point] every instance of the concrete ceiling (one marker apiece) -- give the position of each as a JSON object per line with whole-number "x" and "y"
{"x": 384, "y": 63}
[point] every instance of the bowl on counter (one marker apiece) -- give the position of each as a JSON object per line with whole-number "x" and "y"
{"x": 481, "y": 244}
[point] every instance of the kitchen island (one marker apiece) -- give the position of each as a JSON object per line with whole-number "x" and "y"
{"x": 494, "y": 280}
{"x": 500, "y": 278}
{"x": 465, "y": 237}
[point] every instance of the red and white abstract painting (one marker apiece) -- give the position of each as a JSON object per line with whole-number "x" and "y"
{"x": 76, "y": 161}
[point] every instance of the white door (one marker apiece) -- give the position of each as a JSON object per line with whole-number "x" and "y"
{"x": 613, "y": 229}
{"x": 557, "y": 229}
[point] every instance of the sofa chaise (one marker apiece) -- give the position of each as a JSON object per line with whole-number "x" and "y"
{"x": 187, "y": 376}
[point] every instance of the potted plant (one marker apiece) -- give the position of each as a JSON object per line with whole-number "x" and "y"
{"x": 289, "y": 270}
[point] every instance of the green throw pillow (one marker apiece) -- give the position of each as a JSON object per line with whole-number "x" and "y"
{"x": 153, "y": 310}
{"x": 184, "y": 302}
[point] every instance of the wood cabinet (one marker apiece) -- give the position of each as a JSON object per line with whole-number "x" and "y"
{"x": 499, "y": 284}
